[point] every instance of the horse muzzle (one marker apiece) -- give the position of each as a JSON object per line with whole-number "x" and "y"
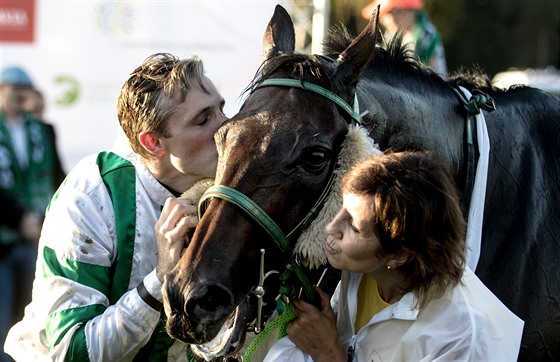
{"x": 198, "y": 316}
{"x": 231, "y": 337}
{"x": 209, "y": 320}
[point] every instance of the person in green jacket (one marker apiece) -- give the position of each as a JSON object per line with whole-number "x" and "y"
{"x": 410, "y": 17}
{"x": 30, "y": 172}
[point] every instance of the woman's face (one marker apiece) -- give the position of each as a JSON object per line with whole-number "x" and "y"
{"x": 352, "y": 243}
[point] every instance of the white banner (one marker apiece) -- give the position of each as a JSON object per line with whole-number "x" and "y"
{"x": 81, "y": 52}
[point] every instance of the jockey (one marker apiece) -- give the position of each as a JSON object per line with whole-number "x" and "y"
{"x": 97, "y": 290}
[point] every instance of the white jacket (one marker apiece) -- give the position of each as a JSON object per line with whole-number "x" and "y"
{"x": 77, "y": 248}
{"x": 469, "y": 324}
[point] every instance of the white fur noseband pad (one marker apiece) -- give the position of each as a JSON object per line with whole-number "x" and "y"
{"x": 356, "y": 147}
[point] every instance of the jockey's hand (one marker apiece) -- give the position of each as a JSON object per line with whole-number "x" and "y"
{"x": 177, "y": 218}
{"x": 314, "y": 331}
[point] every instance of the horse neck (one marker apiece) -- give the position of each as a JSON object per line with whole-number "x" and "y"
{"x": 404, "y": 118}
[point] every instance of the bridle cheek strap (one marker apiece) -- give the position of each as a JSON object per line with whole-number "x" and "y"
{"x": 247, "y": 205}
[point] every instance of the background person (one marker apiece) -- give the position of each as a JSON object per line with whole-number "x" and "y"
{"x": 97, "y": 291}
{"x": 34, "y": 103}
{"x": 404, "y": 294}
{"x": 410, "y": 17}
{"x": 30, "y": 172}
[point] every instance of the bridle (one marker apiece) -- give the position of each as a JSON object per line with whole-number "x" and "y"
{"x": 284, "y": 242}
{"x": 248, "y": 206}
{"x": 478, "y": 101}
{"x": 256, "y": 213}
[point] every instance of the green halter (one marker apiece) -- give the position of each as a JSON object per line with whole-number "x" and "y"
{"x": 247, "y": 205}
{"x": 257, "y": 214}
{"x": 294, "y": 83}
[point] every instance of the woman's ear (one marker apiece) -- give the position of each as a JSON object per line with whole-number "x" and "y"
{"x": 401, "y": 257}
{"x": 151, "y": 143}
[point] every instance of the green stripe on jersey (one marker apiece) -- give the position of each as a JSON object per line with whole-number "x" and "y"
{"x": 119, "y": 176}
{"x": 77, "y": 351}
{"x": 90, "y": 275}
{"x": 58, "y": 323}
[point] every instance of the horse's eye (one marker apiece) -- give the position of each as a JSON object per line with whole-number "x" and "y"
{"x": 314, "y": 160}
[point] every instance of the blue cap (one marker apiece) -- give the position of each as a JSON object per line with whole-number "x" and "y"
{"x": 15, "y": 76}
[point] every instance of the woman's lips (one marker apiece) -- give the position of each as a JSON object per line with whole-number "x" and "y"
{"x": 329, "y": 249}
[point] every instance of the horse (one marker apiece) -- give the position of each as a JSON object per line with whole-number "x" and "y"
{"x": 278, "y": 154}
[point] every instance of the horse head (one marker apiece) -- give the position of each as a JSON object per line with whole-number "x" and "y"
{"x": 276, "y": 155}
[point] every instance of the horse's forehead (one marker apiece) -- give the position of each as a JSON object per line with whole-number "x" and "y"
{"x": 246, "y": 145}
{"x": 255, "y": 130}
{"x": 263, "y": 137}
{"x": 272, "y": 112}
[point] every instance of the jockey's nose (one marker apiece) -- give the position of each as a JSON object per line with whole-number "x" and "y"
{"x": 224, "y": 118}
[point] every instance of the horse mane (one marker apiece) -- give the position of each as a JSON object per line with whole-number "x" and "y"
{"x": 393, "y": 56}
{"x": 396, "y": 59}
{"x": 298, "y": 65}
{"x": 390, "y": 57}
{"x": 471, "y": 78}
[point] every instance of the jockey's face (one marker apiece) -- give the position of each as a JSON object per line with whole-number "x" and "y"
{"x": 190, "y": 148}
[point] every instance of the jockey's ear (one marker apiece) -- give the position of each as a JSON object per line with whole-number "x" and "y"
{"x": 151, "y": 143}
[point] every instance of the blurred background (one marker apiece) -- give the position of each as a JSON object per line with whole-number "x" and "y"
{"x": 495, "y": 34}
{"x": 79, "y": 53}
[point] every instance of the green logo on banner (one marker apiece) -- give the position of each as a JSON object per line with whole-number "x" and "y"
{"x": 70, "y": 90}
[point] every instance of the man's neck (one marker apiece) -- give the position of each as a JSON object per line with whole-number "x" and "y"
{"x": 168, "y": 176}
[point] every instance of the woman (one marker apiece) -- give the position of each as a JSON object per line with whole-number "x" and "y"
{"x": 405, "y": 292}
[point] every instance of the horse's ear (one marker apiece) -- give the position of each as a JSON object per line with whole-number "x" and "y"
{"x": 354, "y": 58}
{"x": 279, "y": 35}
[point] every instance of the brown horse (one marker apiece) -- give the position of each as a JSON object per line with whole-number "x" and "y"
{"x": 277, "y": 155}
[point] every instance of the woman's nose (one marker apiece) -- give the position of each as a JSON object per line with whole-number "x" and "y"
{"x": 333, "y": 226}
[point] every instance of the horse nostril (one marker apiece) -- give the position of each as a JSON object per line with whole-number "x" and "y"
{"x": 210, "y": 301}
{"x": 216, "y": 297}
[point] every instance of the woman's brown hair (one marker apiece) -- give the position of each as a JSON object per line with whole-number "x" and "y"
{"x": 415, "y": 208}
